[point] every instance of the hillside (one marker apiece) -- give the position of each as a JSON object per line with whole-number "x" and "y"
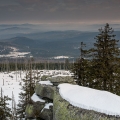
{"x": 45, "y": 44}
{"x": 51, "y": 44}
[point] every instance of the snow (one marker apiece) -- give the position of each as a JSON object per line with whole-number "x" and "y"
{"x": 13, "y": 79}
{"x": 60, "y": 57}
{"x": 56, "y": 73}
{"x": 87, "y": 98}
{"x": 47, "y": 105}
{"x": 46, "y": 82}
{"x": 15, "y": 54}
{"x": 36, "y": 98}
{"x": 11, "y": 84}
{"x": 91, "y": 99}
{"x": 63, "y": 75}
{"x": 14, "y": 49}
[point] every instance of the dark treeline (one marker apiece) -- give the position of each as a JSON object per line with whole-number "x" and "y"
{"x": 13, "y": 66}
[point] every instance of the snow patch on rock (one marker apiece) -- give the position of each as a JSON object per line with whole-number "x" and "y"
{"x": 91, "y": 99}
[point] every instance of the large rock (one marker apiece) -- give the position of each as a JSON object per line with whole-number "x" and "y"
{"x": 45, "y": 91}
{"x": 34, "y": 110}
{"x": 38, "y": 109}
{"x": 61, "y": 79}
{"x": 44, "y": 77}
{"x": 63, "y": 110}
{"x": 47, "y": 114}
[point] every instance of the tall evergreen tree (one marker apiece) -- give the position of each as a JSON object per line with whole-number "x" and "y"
{"x": 105, "y": 60}
{"x": 102, "y": 70}
{"x": 28, "y": 86}
{"x": 5, "y": 111}
{"x": 81, "y": 68}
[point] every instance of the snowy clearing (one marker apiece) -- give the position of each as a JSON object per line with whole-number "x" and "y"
{"x": 91, "y": 99}
{"x": 61, "y": 57}
{"x": 10, "y": 82}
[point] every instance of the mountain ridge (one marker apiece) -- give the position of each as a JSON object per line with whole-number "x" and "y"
{"x": 53, "y": 43}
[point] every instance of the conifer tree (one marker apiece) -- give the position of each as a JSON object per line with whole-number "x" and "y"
{"x": 5, "y": 111}
{"x": 105, "y": 60}
{"x": 81, "y": 68}
{"x": 102, "y": 70}
{"x": 24, "y": 99}
{"x": 28, "y": 86}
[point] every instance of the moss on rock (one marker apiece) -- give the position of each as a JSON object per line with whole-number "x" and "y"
{"x": 29, "y": 111}
{"x": 62, "y": 110}
{"x": 47, "y": 114}
{"x": 46, "y": 91}
{"x": 34, "y": 110}
{"x": 44, "y": 77}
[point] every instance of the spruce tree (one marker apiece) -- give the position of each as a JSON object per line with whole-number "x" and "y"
{"x": 24, "y": 98}
{"x": 5, "y": 111}
{"x": 105, "y": 60}
{"x": 28, "y": 86}
{"x": 81, "y": 68}
{"x": 102, "y": 70}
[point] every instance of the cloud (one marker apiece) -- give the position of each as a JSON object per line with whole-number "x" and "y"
{"x": 59, "y": 10}
{"x": 31, "y": 8}
{"x": 8, "y": 2}
{"x": 54, "y": 9}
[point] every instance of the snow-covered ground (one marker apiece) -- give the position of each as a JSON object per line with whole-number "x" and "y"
{"x": 91, "y": 99}
{"x": 10, "y": 81}
{"x": 14, "y": 53}
{"x": 61, "y": 57}
{"x": 87, "y": 98}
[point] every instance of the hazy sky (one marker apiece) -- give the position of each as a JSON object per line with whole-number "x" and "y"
{"x": 60, "y": 11}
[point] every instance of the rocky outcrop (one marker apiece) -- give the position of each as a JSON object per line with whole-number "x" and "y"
{"x": 61, "y": 109}
{"x": 60, "y": 79}
{"x": 33, "y": 109}
{"x": 44, "y": 77}
{"x": 47, "y": 114}
{"x": 42, "y": 109}
{"x": 45, "y": 91}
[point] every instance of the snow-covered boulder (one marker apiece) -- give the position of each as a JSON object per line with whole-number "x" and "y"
{"x": 44, "y": 92}
{"x": 44, "y": 77}
{"x": 56, "y": 80}
{"x": 71, "y": 102}
{"x": 39, "y": 109}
